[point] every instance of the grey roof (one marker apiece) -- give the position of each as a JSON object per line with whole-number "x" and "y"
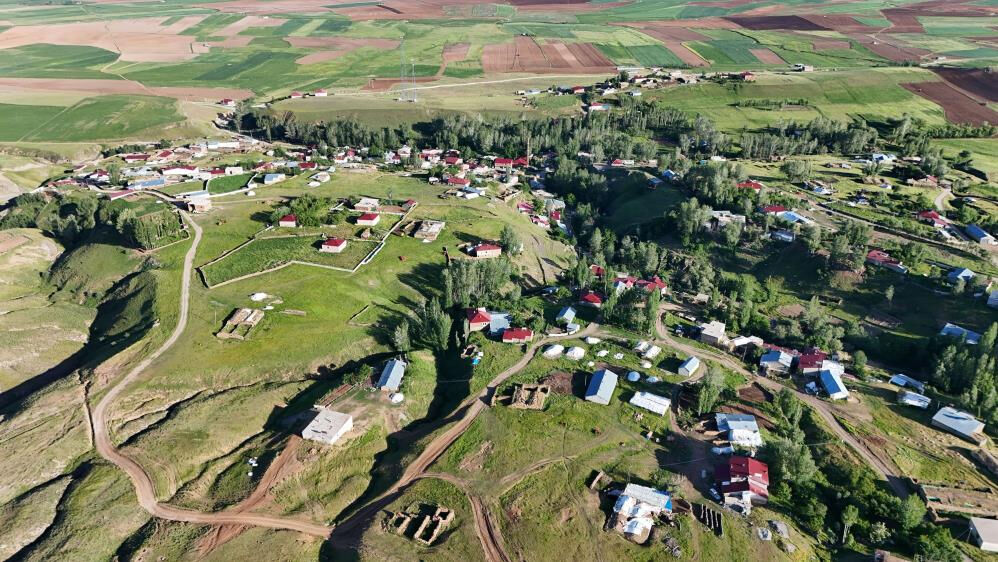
{"x": 957, "y": 421}
{"x": 914, "y": 399}
{"x": 691, "y": 364}
{"x": 960, "y": 273}
{"x": 728, "y": 422}
{"x": 987, "y": 529}
{"x": 391, "y": 376}
{"x": 904, "y": 380}
{"x": 601, "y": 386}
{"x": 567, "y": 314}
{"x": 960, "y": 333}
{"x": 647, "y": 495}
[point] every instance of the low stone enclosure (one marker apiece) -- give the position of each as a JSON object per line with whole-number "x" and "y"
{"x": 240, "y": 323}
{"x": 428, "y": 523}
{"x": 525, "y": 396}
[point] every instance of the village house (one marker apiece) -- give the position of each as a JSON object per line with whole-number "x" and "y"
{"x": 904, "y": 381}
{"x": 933, "y": 218}
{"x": 288, "y": 221}
{"x": 200, "y": 203}
{"x": 883, "y": 259}
{"x": 478, "y": 319}
{"x": 750, "y": 184}
{"x": 486, "y": 250}
{"x": 811, "y": 362}
{"x": 831, "y": 380}
{"x": 327, "y": 426}
{"x": 689, "y": 367}
{"x": 635, "y": 511}
{"x": 601, "y": 386}
{"x": 269, "y": 179}
{"x": 741, "y": 430}
{"x": 712, "y": 333}
{"x": 429, "y": 230}
{"x": 566, "y": 316}
{"x": 333, "y": 245}
{"x": 743, "y": 481}
{"x": 368, "y": 219}
{"x": 980, "y": 235}
{"x": 517, "y": 335}
{"x": 181, "y": 171}
{"x": 961, "y": 424}
{"x": 913, "y": 399}
{"x": 960, "y": 273}
{"x": 391, "y": 376}
{"x": 591, "y": 299}
{"x": 653, "y": 284}
{"x": 366, "y": 204}
{"x": 133, "y": 158}
{"x": 233, "y": 170}
{"x": 776, "y": 361}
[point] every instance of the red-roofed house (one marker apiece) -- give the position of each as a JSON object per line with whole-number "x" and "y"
{"x": 591, "y": 298}
{"x": 130, "y": 158}
{"x": 743, "y": 480}
{"x": 485, "y": 250}
{"x": 296, "y": 95}
{"x": 368, "y": 219}
{"x": 320, "y": 93}
{"x": 597, "y": 270}
{"x": 651, "y": 285}
{"x": 809, "y": 363}
{"x": 227, "y": 102}
{"x": 181, "y": 171}
{"x": 883, "y": 259}
{"x": 773, "y": 209}
{"x": 517, "y": 335}
{"x": 750, "y": 184}
{"x": 307, "y": 165}
{"x": 578, "y": 90}
{"x": 333, "y": 245}
{"x": 478, "y": 319}
{"x": 288, "y": 221}
{"x": 933, "y": 218}
{"x": 454, "y": 180}
{"x": 453, "y": 161}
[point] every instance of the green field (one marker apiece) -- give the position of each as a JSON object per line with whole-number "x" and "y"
{"x": 56, "y": 61}
{"x": 98, "y": 118}
{"x": 266, "y": 253}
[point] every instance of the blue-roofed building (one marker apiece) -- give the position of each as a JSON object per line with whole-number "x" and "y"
{"x": 960, "y": 273}
{"x": 904, "y": 381}
{"x": 960, "y": 333}
{"x": 566, "y": 316}
{"x": 832, "y": 381}
{"x": 499, "y": 322}
{"x": 601, "y": 386}
{"x": 777, "y": 361}
{"x": 148, "y": 184}
{"x": 979, "y": 234}
{"x": 670, "y": 175}
{"x": 391, "y": 376}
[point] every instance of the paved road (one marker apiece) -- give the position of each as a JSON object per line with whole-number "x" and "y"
{"x": 820, "y": 406}
{"x": 140, "y": 479}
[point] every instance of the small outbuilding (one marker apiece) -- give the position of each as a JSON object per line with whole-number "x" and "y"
{"x": 333, "y": 245}
{"x": 601, "y": 386}
{"x": 651, "y": 402}
{"x": 391, "y": 375}
{"x": 984, "y": 533}
{"x": 689, "y": 367}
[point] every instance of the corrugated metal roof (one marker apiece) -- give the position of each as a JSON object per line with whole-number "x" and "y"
{"x": 391, "y": 376}
{"x": 652, "y": 402}
{"x": 601, "y": 386}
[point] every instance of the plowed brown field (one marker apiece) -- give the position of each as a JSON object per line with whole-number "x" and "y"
{"x": 526, "y": 55}
{"x": 959, "y": 107}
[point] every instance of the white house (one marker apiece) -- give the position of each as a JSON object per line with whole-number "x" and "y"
{"x": 601, "y": 386}
{"x": 652, "y": 402}
{"x": 689, "y": 367}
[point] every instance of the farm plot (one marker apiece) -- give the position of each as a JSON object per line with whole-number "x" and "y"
{"x": 524, "y": 54}
{"x": 139, "y": 40}
{"x": 976, "y": 81}
{"x": 267, "y": 253}
{"x": 726, "y": 51}
{"x": 959, "y": 107}
{"x": 104, "y": 117}
{"x": 766, "y": 56}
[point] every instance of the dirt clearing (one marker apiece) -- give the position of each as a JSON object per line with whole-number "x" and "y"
{"x": 975, "y": 81}
{"x": 138, "y": 40}
{"x": 93, "y": 86}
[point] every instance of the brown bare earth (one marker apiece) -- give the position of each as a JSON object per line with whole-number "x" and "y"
{"x": 338, "y": 46}
{"x": 723, "y": 3}
{"x": 139, "y": 40}
{"x": 456, "y": 51}
{"x": 684, "y": 53}
{"x": 902, "y": 21}
{"x": 667, "y": 33}
{"x": 959, "y": 107}
{"x": 94, "y": 86}
{"x": 976, "y": 81}
{"x": 700, "y": 23}
{"x": 766, "y": 23}
{"x": 841, "y": 23}
{"x": 891, "y": 48}
{"x": 524, "y": 54}
{"x": 766, "y": 56}
{"x": 247, "y": 22}
{"x": 395, "y": 9}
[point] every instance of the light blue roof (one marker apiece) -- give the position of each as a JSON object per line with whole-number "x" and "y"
{"x": 961, "y": 273}
{"x": 832, "y": 382}
{"x": 274, "y": 177}
{"x": 727, "y": 422}
{"x": 905, "y": 380}
{"x": 960, "y": 333}
{"x": 777, "y": 356}
{"x": 567, "y": 314}
{"x": 146, "y": 184}
{"x": 391, "y": 376}
{"x": 601, "y": 386}
{"x": 499, "y": 322}
{"x": 692, "y": 364}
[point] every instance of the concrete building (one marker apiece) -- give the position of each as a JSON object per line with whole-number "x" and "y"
{"x": 429, "y": 230}
{"x": 367, "y": 205}
{"x": 486, "y": 251}
{"x": 391, "y": 376}
{"x": 713, "y": 333}
{"x": 601, "y": 386}
{"x": 961, "y": 424}
{"x": 333, "y": 245}
{"x": 327, "y": 426}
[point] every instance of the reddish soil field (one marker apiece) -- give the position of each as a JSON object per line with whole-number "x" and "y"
{"x": 840, "y": 23}
{"x": 321, "y": 56}
{"x": 456, "y": 51}
{"x": 895, "y": 50}
{"x": 700, "y": 23}
{"x": 822, "y": 43}
{"x": 338, "y": 46}
{"x": 902, "y": 21}
{"x": 723, "y": 3}
{"x": 526, "y": 55}
{"x": 140, "y": 40}
{"x": 959, "y": 107}
{"x": 98, "y": 86}
{"x": 770, "y": 23}
{"x": 975, "y": 81}
{"x": 684, "y": 54}
{"x": 766, "y": 56}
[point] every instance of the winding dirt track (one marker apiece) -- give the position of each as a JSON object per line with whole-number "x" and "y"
{"x": 144, "y": 489}
{"x": 879, "y": 467}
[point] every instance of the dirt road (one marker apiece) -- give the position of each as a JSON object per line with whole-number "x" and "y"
{"x": 940, "y": 201}
{"x": 821, "y": 407}
{"x": 466, "y": 414}
{"x": 144, "y": 489}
